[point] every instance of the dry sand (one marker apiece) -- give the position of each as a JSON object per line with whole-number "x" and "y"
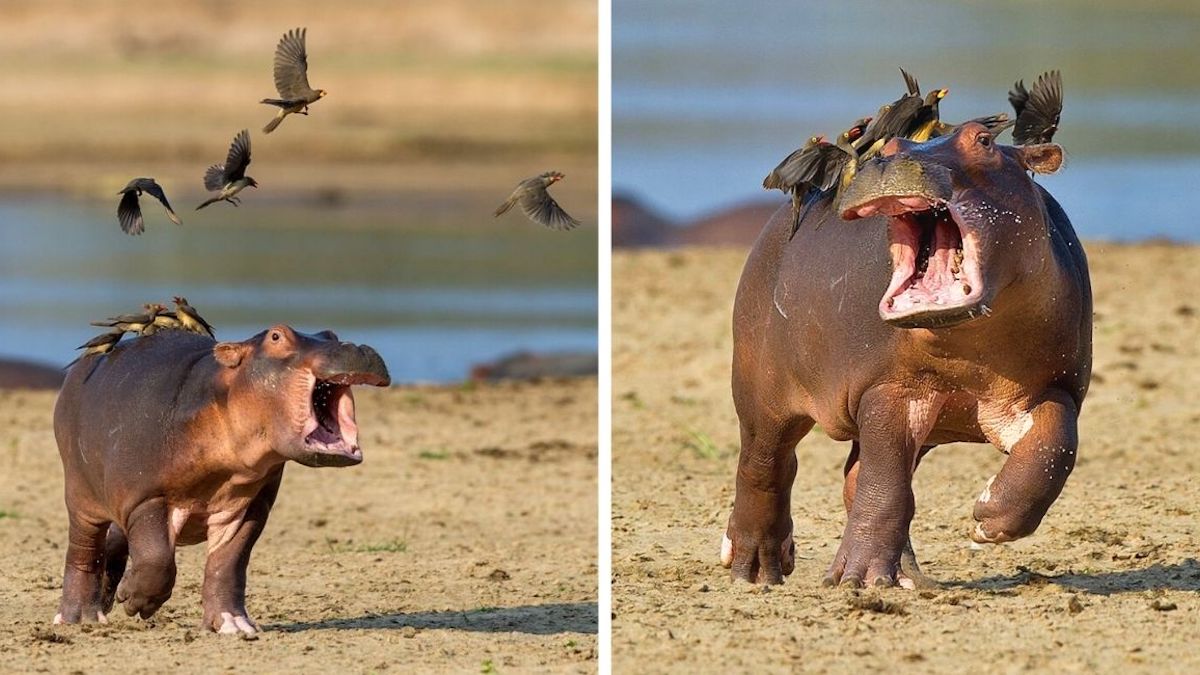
{"x": 465, "y": 542}
{"x": 1109, "y": 583}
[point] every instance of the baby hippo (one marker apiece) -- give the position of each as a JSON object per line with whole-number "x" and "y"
{"x": 173, "y": 439}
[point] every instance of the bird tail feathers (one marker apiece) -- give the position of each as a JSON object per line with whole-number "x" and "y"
{"x": 503, "y": 209}
{"x": 274, "y": 122}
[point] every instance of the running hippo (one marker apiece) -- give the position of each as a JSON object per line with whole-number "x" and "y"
{"x": 173, "y": 439}
{"x": 955, "y": 307}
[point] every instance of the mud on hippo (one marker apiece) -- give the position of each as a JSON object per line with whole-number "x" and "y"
{"x": 173, "y": 439}
{"x": 943, "y": 297}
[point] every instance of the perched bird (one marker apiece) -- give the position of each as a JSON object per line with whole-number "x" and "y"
{"x": 230, "y": 178}
{"x": 925, "y": 117}
{"x": 895, "y": 119}
{"x": 291, "y": 79}
{"x": 994, "y": 123}
{"x": 165, "y": 319}
{"x": 135, "y": 323}
{"x": 536, "y": 202}
{"x": 129, "y": 211}
{"x": 101, "y": 344}
{"x": 796, "y": 168}
{"x": 921, "y": 127}
{"x": 1038, "y": 108}
{"x": 190, "y": 319}
{"x": 846, "y": 164}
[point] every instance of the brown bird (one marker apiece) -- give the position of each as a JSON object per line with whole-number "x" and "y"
{"x": 291, "y": 79}
{"x": 129, "y": 211}
{"x": 993, "y": 123}
{"x": 134, "y": 323}
{"x": 536, "y": 202}
{"x": 101, "y": 344}
{"x": 165, "y": 319}
{"x": 230, "y": 178}
{"x": 190, "y": 319}
{"x": 1038, "y": 109}
{"x": 925, "y": 118}
{"x": 796, "y": 168}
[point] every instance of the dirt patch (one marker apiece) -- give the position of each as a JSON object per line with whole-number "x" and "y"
{"x": 1109, "y": 583}
{"x": 428, "y": 557}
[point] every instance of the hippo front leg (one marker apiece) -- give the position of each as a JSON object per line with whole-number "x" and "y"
{"x": 224, "y": 591}
{"x": 148, "y": 582}
{"x": 1015, "y": 500}
{"x": 879, "y": 495}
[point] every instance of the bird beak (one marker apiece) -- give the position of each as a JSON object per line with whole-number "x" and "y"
{"x": 942, "y": 93}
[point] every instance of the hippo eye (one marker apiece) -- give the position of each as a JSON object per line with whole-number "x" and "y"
{"x": 274, "y": 336}
{"x": 984, "y": 139}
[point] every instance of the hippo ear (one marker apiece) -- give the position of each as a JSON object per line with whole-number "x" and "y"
{"x": 1044, "y": 158}
{"x": 230, "y": 354}
{"x": 328, "y": 335}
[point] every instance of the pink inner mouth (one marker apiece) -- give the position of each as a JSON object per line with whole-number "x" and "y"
{"x": 935, "y": 263}
{"x": 330, "y": 426}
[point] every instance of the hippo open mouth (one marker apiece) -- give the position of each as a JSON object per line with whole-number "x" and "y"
{"x": 330, "y": 430}
{"x": 936, "y": 277}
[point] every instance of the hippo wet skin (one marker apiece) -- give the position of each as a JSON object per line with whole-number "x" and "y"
{"x": 943, "y": 297}
{"x": 173, "y": 439}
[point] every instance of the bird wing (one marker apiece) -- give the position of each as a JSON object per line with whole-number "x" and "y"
{"x": 914, "y": 89}
{"x": 291, "y": 66}
{"x": 1018, "y": 96}
{"x": 1039, "y": 119}
{"x": 129, "y": 213}
{"x": 155, "y": 190}
{"x": 796, "y": 168}
{"x": 830, "y": 163}
{"x": 542, "y": 209}
{"x": 214, "y": 177}
{"x": 238, "y": 158}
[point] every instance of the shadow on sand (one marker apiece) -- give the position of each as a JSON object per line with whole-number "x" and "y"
{"x": 1182, "y": 576}
{"x": 577, "y": 617}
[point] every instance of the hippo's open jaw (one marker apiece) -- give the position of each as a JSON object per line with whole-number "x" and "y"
{"x": 330, "y": 431}
{"x": 936, "y": 276}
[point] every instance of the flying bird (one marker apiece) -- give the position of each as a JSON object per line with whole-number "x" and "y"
{"x": 1038, "y": 108}
{"x": 536, "y": 202}
{"x": 230, "y": 178}
{"x": 129, "y": 211}
{"x": 191, "y": 319}
{"x": 291, "y": 79}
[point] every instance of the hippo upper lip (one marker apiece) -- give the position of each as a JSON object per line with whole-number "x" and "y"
{"x": 349, "y": 378}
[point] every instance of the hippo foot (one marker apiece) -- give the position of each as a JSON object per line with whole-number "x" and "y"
{"x": 88, "y": 615}
{"x": 230, "y": 623}
{"x": 763, "y": 560}
{"x": 860, "y": 562}
{"x": 138, "y": 599}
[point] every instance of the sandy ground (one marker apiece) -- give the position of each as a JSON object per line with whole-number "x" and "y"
{"x": 466, "y": 542}
{"x": 1109, "y": 583}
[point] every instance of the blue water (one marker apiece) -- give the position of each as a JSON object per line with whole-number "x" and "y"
{"x": 432, "y": 301}
{"x": 708, "y": 96}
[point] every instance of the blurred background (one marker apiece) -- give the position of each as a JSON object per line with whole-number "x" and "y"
{"x": 708, "y": 96}
{"x": 374, "y": 213}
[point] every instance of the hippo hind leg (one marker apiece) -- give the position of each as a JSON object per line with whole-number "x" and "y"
{"x": 148, "y": 582}
{"x": 1015, "y": 500}
{"x": 911, "y": 575}
{"x": 116, "y": 555}
{"x": 758, "y": 545}
{"x": 81, "y": 598}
